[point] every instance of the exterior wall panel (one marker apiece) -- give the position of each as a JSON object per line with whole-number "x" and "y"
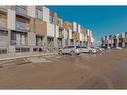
{"x": 79, "y": 28}
{"x": 74, "y": 26}
{"x": 65, "y": 34}
{"x": 50, "y": 30}
{"x": 57, "y": 31}
{"x": 70, "y": 34}
{"x": 11, "y": 18}
{"x": 81, "y": 36}
{"x": 40, "y": 27}
{"x": 31, "y": 39}
{"x": 31, "y": 11}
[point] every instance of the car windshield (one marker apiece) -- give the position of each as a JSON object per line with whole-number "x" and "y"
{"x": 77, "y": 46}
{"x": 83, "y": 47}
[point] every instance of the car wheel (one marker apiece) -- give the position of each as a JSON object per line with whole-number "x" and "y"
{"x": 72, "y": 53}
{"x": 90, "y": 52}
{"x": 60, "y": 53}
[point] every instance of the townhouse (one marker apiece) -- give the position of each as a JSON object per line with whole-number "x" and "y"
{"x": 35, "y": 28}
{"x": 116, "y": 40}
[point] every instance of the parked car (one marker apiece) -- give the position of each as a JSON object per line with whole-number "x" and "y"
{"x": 118, "y": 48}
{"x": 72, "y": 50}
{"x": 88, "y": 50}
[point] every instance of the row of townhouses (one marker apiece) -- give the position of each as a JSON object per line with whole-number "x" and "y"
{"x": 29, "y": 28}
{"x": 118, "y": 40}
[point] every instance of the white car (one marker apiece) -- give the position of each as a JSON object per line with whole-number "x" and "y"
{"x": 72, "y": 50}
{"x": 118, "y": 48}
{"x": 88, "y": 50}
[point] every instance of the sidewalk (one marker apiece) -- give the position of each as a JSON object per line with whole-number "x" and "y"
{"x": 24, "y": 55}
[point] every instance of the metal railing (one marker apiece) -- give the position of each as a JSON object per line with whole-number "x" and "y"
{"x": 21, "y": 10}
{"x": 3, "y": 8}
{"x": 14, "y": 42}
{"x": 22, "y": 26}
{"x": 3, "y": 21}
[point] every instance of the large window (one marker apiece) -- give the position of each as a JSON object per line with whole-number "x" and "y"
{"x": 18, "y": 39}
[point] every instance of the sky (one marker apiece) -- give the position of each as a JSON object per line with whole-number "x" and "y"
{"x": 102, "y": 20}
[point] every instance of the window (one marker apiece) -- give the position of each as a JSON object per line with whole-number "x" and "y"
{"x": 3, "y": 51}
{"x": 21, "y": 49}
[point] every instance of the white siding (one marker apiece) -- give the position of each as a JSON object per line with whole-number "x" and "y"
{"x": 70, "y": 34}
{"x": 74, "y": 26}
{"x": 65, "y": 34}
{"x": 31, "y": 11}
{"x": 57, "y": 31}
{"x": 45, "y": 14}
{"x": 88, "y": 32}
{"x": 85, "y": 37}
{"x": 11, "y": 19}
{"x": 82, "y": 36}
{"x": 50, "y": 30}
{"x": 79, "y": 28}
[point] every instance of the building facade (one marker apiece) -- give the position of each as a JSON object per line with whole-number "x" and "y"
{"x": 35, "y": 28}
{"x": 117, "y": 40}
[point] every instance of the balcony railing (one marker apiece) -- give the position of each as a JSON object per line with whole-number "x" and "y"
{"x": 3, "y": 8}
{"x": 22, "y": 26}
{"x": 15, "y": 42}
{"x": 3, "y": 23}
{"x": 21, "y": 10}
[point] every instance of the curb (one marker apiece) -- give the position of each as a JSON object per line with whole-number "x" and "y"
{"x": 26, "y": 56}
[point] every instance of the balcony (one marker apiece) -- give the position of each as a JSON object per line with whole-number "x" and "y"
{"x": 3, "y": 8}
{"x": 22, "y": 26}
{"x": 3, "y": 24}
{"x": 3, "y": 21}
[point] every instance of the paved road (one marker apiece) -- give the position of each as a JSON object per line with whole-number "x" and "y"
{"x": 86, "y": 71}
